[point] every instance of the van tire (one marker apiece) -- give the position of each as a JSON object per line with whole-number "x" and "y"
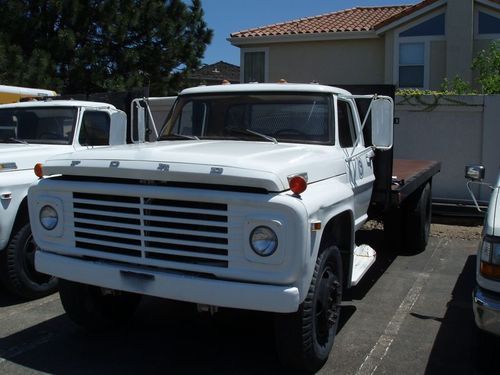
{"x": 92, "y": 309}
{"x": 305, "y": 338}
{"x": 17, "y": 267}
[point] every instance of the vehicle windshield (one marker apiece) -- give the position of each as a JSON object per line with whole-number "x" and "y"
{"x": 266, "y": 117}
{"x": 48, "y": 125}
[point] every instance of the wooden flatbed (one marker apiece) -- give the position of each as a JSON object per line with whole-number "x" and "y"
{"x": 410, "y": 175}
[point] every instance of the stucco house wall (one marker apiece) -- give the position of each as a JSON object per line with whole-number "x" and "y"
{"x": 342, "y": 62}
{"x": 348, "y": 56}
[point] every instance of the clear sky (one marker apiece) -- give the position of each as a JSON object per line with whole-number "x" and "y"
{"x": 227, "y": 16}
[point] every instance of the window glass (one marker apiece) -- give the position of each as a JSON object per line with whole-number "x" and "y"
{"x": 192, "y": 119}
{"x": 288, "y": 117}
{"x": 411, "y": 54}
{"x": 95, "y": 129}
{"x": 411, "y": 76}
{"x": 411, "y": 64}
{"x": 254, "y": 67}
{"x": 434, "y": 26}
{"x": 347, "y": 129}
{"x": 43, "y": 125}
{"x": 488, "y": 24}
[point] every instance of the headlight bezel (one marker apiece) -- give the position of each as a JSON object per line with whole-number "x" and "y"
{"x": 52, "y": 224}
{"x": 258, "y": 238}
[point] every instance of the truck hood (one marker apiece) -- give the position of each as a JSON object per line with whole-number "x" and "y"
{"x": 27, "y": 155}
{"x": 236, "y": 163}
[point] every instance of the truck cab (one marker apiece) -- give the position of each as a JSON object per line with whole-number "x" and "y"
{"x": 30, "y": 133}
{"x": 250, "y": 199}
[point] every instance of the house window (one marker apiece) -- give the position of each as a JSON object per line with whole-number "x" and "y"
{"x": 488, "y": 24}
{"x": 254, "y": 66}
{"x": 411, "y": 64}
{"x": 434, "y": 26}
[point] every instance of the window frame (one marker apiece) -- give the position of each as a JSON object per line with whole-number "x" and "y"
{"x": 425, "y": 39}
{"x": 489, "y": 12}
{"x": 80, "y": 128}
{"x": 243, "y": 51}
{"x": 351, "y": 105}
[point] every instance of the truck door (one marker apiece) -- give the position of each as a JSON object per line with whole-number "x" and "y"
{"x": 359, "y": 159}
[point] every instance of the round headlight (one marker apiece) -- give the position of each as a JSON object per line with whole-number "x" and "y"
{"x": 48, "y": 217}
{"x": 263, "y": 241}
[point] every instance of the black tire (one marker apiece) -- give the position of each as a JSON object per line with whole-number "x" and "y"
{"x": 93, "y": 309}
{"x": 304, "y": 339}
{"x": 417, "y": 214}
{"x": 17, "y": 268}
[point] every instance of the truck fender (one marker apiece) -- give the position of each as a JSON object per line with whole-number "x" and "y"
{"x": 14, "y": 211}
{"x": 330, "y": 202}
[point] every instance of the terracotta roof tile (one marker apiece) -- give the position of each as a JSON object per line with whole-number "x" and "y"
{"x": 355, "y": 19}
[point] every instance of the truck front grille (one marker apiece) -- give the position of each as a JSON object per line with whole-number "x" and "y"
{"x": 161, "y": 231}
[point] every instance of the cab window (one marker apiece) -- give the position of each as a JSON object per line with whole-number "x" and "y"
{"x": 95, "y": 129}
{"x": 347, "y": 127}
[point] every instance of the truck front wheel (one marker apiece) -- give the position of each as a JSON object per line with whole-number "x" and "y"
{"x": 17, "y": 267}
{"x": 304, "y": 339}
{"x": 94, "y": 308}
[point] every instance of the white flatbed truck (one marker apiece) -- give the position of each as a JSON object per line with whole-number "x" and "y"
{"x": 250, "y": 199}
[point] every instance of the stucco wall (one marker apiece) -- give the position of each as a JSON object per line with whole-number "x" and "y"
{"x": 456, "y": 130}
{"x": 437, "y": 64}
{"x": 341, "y": 61}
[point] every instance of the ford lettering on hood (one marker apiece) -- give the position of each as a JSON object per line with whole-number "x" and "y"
{"x": 263, "y": 165}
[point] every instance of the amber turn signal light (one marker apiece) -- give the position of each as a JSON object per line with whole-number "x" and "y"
{"x": 38, "y": 170}
{"x": 489, "y": 270}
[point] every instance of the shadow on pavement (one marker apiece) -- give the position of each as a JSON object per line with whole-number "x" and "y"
{"x": 457, "y": 347}
{"x": 163, "y": 337}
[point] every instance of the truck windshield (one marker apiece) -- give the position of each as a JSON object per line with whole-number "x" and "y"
{"x": 47, "y": 125}
{"x": 282, "y": 117}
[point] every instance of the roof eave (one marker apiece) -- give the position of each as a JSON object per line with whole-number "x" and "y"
{"x": 290, "y": 38}
{"x": 409, "y": 17}
{"x": 488, "y": 3}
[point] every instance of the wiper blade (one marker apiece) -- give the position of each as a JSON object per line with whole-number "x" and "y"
{"x": 18, "y": 141}
{"x": 249, "y": 131}
{"x": 175, "y": 135}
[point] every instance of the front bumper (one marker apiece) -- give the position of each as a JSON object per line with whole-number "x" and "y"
{"x": 175, "y": 286}
{"x": 486, "y": 306}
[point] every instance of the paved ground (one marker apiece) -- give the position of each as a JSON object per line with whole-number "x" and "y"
{"x": 411, "y": 314}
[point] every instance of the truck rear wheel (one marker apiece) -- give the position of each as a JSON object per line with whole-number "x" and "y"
{"x": 417, "y": 219}
{"x": 17, "y": 268}
{"x": 94, "y": 309}
{"x": 304, "y": 339}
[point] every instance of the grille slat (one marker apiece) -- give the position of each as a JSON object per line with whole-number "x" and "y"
{"x": 162, "y": 231}
{"x": 197, "y": 230}
{"x": 78, "y": 211}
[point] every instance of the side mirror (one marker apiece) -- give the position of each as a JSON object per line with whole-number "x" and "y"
{"x": 382, "y": 122}
{"x": 474, "y": 172}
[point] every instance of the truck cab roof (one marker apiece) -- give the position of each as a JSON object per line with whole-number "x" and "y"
{"x": 57, "y": 103}
{"x": 265, "y": 87}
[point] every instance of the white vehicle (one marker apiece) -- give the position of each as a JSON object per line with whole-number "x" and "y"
{"x": 31, "y": 132}
{"x": 486, "y": 295}
{"x": 250, "y": 199}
